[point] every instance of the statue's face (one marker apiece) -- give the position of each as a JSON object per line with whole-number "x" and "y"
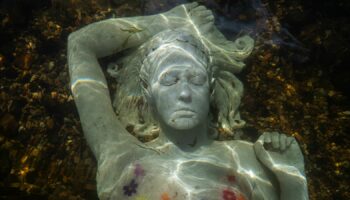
{"x": 180, "y": 91}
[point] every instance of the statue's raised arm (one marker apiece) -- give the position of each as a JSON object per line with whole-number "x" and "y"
{"x": 88, "y": 83}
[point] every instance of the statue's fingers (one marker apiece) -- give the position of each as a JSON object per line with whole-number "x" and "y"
{"x": 190, "y": 6}
{"x": 294, "y": 142}
{"x": 260, "y": 151}
{"x": 289, "y": 141}
{"x": 210, "y": 18}
{"x": 283, "y": 142}
{"x": 206, "y": 13}
{"x": 267, "y": 141}
{"x": 206, "y": 27}
{"x": 199, "y": 8}
{"x": 275, "y": 140}
{"x": 262, "y": 138}
{"x": 267, "y": 137}
{"x": 204, "y": 22}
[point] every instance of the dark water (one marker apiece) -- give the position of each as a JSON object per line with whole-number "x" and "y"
{"x": 296, "y": 81}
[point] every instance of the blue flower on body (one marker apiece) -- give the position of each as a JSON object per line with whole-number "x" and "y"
{"x": 130, "y": 189}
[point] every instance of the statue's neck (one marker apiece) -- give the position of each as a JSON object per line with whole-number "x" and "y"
{"x": 186, "y": 140}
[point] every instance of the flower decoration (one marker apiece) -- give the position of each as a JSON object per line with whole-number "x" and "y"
{"x": 131, "y": 188}
{"x": 228, "y": 195}
{"x": 165, "y": 196}
{"x": 139, "y": 171}
{"x": 240, "y": 197}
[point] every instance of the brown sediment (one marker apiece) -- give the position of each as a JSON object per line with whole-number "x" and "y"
{"x": 42, "y": 150}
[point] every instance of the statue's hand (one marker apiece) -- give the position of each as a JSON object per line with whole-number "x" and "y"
{"x": 191, "y": 14}
{"x": 281, "y": 154}
{"x": 202, "y": 20}
{"x": 178, "y": 16}
{"x": 181, "y": 11}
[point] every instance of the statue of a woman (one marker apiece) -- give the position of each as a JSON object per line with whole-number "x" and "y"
{"x": 177, "y": 80}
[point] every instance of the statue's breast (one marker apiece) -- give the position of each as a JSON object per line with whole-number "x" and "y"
{"x": 174, "y": 178}
{"x": 211, "y": 174}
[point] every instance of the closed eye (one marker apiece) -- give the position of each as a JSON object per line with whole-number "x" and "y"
{"x": 168, "y": 79}
{"x": 198, "y": 79}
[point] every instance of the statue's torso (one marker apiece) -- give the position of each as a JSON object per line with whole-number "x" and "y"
{"x": 225, "y": 170}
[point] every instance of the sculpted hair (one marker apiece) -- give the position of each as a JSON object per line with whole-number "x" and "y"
{"x": 132, "y": 98}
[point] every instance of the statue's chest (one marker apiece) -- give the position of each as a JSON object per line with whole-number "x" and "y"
{"x": 174, "y": 177}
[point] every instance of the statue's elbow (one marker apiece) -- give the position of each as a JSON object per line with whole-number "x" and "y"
{"x": 72, "y": 38}
{"x": 76, "y": 43}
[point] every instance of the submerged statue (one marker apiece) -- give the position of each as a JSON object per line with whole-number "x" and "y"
{"x": 177, "y": 79}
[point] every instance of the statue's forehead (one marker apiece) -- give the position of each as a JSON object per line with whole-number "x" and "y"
{"x": 178, "y": 59}
{"x": 175, "y": 55}
{"x": 180, "y": 68}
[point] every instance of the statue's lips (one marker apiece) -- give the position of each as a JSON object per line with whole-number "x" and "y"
{"x": 184, "y": 112}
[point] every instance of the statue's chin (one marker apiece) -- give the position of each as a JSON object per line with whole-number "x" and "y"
{"x": 183, "y": 123}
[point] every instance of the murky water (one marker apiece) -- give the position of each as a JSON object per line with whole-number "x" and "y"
{"x": 296, "y": 81}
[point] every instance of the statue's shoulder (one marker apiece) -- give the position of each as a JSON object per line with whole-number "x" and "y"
{"x": 240, "y": 144}
{"x": 243, "y": 150}
{"x": 244, "y": 159}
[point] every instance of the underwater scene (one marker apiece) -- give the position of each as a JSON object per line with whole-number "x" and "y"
{"x": 174, "y": 99}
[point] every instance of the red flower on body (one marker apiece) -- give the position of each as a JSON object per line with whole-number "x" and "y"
{"x": 228, "y": 195}
{"x": 240, "y": 197}
{"x": 165, "y": 196}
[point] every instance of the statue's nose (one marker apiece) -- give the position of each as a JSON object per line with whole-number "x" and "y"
{"x": 185, "y": 93}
